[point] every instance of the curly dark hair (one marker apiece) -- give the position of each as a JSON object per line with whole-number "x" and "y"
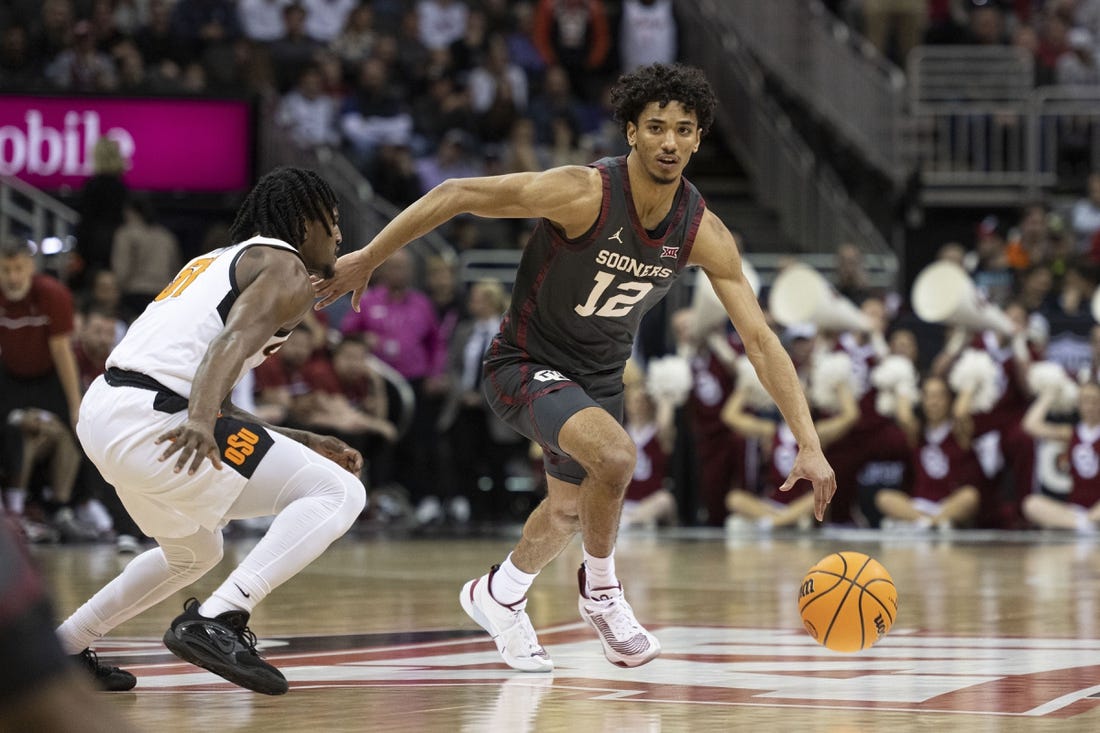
{"x": 663, "y": 83}
{"x": 281, "y": 204}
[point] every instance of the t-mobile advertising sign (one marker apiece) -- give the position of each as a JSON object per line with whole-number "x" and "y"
{"x": 169, "y": 144}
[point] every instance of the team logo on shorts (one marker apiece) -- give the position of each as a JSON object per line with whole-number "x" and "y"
{"x": 550, "y": 375}
{"x": 243, "y": 444}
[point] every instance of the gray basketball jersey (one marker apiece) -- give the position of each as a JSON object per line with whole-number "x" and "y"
{"x": 577, "y": 304}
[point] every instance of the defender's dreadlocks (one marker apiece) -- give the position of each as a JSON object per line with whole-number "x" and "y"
{"x": 663, "y": 83}
{"x": 281, "y": 204}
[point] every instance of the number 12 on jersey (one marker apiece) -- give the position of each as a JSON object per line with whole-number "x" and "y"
{"x": 628, "y": 295}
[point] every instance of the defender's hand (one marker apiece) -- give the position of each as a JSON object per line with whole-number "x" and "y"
{"x": 352, "y": 273}
{"x": 813, "y": 466}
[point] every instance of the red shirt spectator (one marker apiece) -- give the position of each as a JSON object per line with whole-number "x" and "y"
{"x": 26, "y": 326}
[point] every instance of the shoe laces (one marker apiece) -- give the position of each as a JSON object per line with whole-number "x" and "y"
{"x": 522, "y": 630}
{"x": 91, "y": 660}
{"x": 238, "y": 622}
{"x": 618, "y": 615}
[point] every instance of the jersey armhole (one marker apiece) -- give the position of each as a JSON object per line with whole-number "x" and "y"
{"x": 582, "y": 241}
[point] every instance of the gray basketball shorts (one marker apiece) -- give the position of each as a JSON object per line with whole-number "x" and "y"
{"x": 536, "y": 400}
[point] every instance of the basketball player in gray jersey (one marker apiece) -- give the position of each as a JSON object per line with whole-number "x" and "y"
{"x": 611, "y": 239}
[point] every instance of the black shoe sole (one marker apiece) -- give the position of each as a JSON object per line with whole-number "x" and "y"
{"x": 250, "y": 679}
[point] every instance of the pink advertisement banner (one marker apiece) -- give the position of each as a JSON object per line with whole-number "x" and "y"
{"x": 193, "y": 145}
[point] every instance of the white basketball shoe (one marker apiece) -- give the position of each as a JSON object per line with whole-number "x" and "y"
{"x": 625, "y": 642}
{"x": 509, "y": 625}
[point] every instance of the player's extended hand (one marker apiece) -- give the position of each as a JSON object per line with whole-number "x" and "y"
{"x": 352, "y": 272}
{"x": 813, "y": 466}
{"x": 194, "y": 442}
{"x": 338, "y": 451}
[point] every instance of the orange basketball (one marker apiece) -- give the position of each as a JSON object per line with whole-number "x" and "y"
{"x": 848, "y": 601}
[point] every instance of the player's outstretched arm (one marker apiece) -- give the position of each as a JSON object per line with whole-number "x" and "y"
{"x": 716, "y": 251}
{"x": 569, "y": 196}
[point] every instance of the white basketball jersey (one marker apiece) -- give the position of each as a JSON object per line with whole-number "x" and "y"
{"x": 169, "y": 340}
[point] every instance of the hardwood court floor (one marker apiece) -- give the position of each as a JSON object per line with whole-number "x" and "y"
{"x": 994, "y": 633}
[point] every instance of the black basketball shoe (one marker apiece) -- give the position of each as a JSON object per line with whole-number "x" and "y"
{"x": 104, "y": 676}
{"x": 225, "y": 646}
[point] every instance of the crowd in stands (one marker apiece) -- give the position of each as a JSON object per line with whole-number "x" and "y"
{"x": 1063, "y": 36}
{"x": 921, "y": 432}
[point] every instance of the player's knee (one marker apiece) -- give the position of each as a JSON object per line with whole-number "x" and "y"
{"x": 348, "y": 498}
{"x": 614, "y": 465}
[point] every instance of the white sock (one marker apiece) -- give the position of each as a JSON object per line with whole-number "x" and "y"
{"x": 510, "y": 584}
{"x": 216, "y": 605}
{"x": 600, "y": 571}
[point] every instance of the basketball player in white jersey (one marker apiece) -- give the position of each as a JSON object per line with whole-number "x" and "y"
{"x": 184, "y": 460}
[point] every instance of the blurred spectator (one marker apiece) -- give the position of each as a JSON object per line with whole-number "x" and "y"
{"x": 409, "y": 52}
{"x": 521, "y": 41}
{"x": 521, "y": 153}
{"x": 895, "y": 26}
{"x": 393, "y": 175}
{"x": 164, "y": 52}
{"x": 850, "y": 275}
{"x": 294, "y": 50}
{"x": 564, "y": 145}
{"x": 357, "y": 38}
{"x": 988, "y": 264}
{"x": 556, "y": 100}
{"x": 325, "y": 19}
{"x": 650, "y": 421}
{"x": 262, "y": 20}
{"x": 469, "y": 50}
{"x": 446, "y": 106}
{"x": 18, "y": 69}
{"x": 453, "y": 159}
{"x": 374, "y": 113}
{"x": 280, "y": 380}
{"x": 95, "y": 338}
{"x": 132, "y": 76}
{"x": 479, "y": 443}
{"x": 441, "y": 285}
{"x": 576, "y": 35}
{"x": 647, "y": 33}
{"x": 970, "y": 24}
{"x": 945, "y": 491}
{"x": 52, "y": 31}
{"x": 37, "y": 365}
{"x": 1079, "y": 65}
{"x": 399, "y": 324}
{"x": 1084, "y": 217}
{"x": 1053, "y": 43}
{"x": 307, "y": 113}
{"x": 441, "y": 22}
{"x": 102, "y": 21}
{"x": 82, "y": 67}
{"x": 100, "y": 205}
{"x": 498, "y": 91}
{"x": 1080, "y": 511}
{"x": 1069, "y": 318}
{"x": 145, "y": 256}
{"x": 1087, "y": 15}
{"x": 1028, "y": 243}
{"x": 203, "y": 23}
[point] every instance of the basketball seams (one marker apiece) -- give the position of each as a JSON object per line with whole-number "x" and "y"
{"x": 878, "y": 600}
{"x": 850, "y": 567}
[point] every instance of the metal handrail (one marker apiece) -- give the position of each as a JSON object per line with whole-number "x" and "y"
{"x": 38, "y": 213}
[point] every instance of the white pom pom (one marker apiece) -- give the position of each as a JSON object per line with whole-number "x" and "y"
{"x": 756, "y": 397}
{"x": 975, "y": 371}
{"x": 895, "y": 375}
{"x": 830, "y": 370}
{"x": 1049, "y": 376}
{"x": 669, "y": 378}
